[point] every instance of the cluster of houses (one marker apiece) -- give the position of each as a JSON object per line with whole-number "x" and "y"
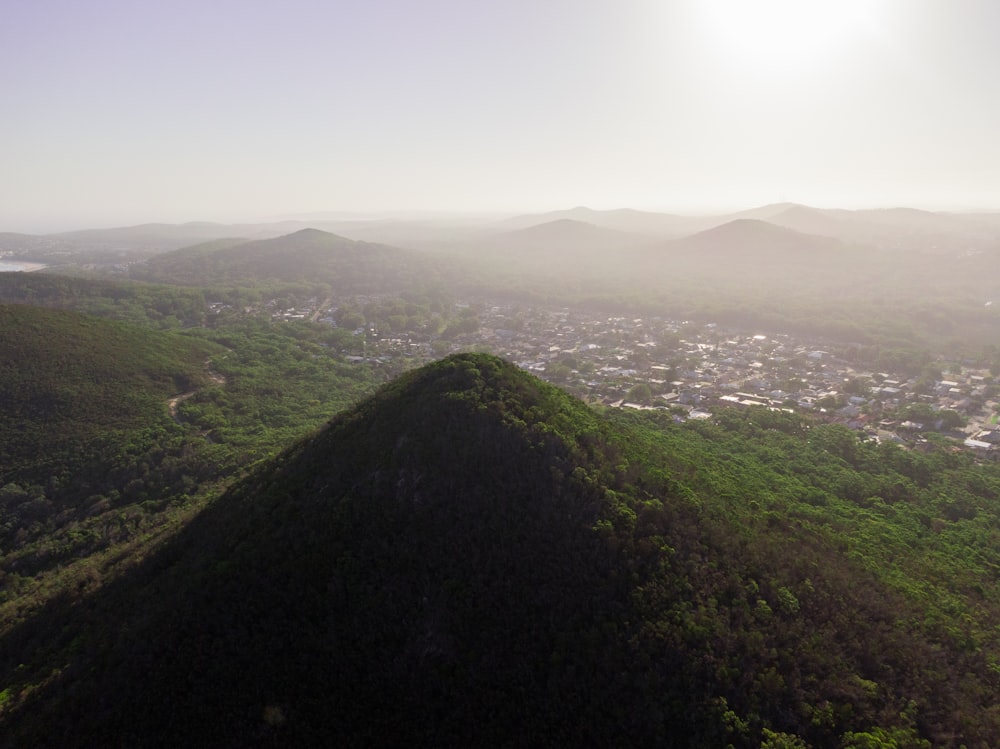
{"x": 691, "y": 369}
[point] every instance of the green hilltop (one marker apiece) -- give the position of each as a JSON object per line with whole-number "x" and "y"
{"x": 472, "y": 557}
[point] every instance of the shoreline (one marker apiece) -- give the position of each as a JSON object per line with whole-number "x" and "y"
{"x": 19, "y": 267}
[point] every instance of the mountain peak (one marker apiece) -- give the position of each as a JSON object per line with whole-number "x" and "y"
{"x": 310, "y": 234}
{"x": 434, "y": 541}
{"x": 480, "y": 392}
{"x": 756, "y": 230}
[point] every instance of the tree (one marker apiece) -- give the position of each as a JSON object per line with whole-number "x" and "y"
{"x": 779, "y": 740}
{"x": 856, "y": 386}
{"x": 640, "y": 393}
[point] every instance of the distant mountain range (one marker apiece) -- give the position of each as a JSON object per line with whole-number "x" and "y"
{"x": 893, "y": 228}
{"x": 624, "y": 219}
{"x": 566, "y": 237}
{"x": 898, "y": 228}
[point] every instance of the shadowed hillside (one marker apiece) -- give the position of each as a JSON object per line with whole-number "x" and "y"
{"x": 471, "y": 557}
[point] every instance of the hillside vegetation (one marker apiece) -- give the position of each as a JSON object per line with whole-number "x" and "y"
{"x": 472, "y": 557}
{"x": 68, "y": 379}
{"x": 88, "y": 453}
{"x": 112, "y": 435}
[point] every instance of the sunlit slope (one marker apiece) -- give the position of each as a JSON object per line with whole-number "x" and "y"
{"x": 89, "y": 455}
{"x": 67, "y": 379}
{"x": 471, "y": 557}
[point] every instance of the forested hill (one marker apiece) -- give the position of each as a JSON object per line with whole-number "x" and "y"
{"x": 307, "y": 255}
{"x": 88, "y": 451}
{"x": 69, "y": 379}
{"x": 473, "y": 558}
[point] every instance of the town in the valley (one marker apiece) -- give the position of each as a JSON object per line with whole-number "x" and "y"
{"x": 691, "y": 369}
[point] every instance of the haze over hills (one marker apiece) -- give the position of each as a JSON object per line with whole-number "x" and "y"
{"x": 161, "y": 237}
{"x": 565, "y": 239}
{"x": 898, "y": 228}
{"x": 608, "y": 258}
{"x": 809, "y": 221}
{"x": 891, "y": 229}
{"x": 571, "y": 230}
{"x": 622, "y": 219}
{"x": 164, "y": 237}
{"x": 881, "y": 260}
{"x": 895, "y": 228}
{"x": 753, "y": 241}
{"x": 308, "y": 255}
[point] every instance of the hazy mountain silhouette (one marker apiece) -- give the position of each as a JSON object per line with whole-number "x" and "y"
{"x": 569, "y": 235}
{"x": 750, "y": 241}
{"x": 808, "y": 220}
{"x": 891, "y": 228}
{"x": 308, "y": 255}
{"x": 164, "y": 237}
{"x": 622, "y": 219}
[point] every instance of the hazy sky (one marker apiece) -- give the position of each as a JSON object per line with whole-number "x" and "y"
{"x": 123, "y": 111}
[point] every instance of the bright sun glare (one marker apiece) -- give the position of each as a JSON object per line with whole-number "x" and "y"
{"x": 786, "y": 34}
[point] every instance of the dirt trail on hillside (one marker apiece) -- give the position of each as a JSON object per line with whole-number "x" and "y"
{"x": 174, "y": 402}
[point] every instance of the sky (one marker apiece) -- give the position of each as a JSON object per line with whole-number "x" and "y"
{"x": 118, "y": 112}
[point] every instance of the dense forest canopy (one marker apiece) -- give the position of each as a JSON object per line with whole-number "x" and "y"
{"x": 474, "y": 545}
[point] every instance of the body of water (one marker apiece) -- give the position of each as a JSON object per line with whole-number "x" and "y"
{"x": 8, "y": 266}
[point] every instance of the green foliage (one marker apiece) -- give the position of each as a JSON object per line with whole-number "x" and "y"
{"x": 881, "y": 738}
{"x": 472, "y": 557}
{"x": 88, "y": 455}
{"x": 159, "y": 306}
{"x": 92, "y": 466}
{"x": 280, "y": 382}
{"x": 777, "y": 740}
{"x": 640, "y": 393}
{"x": 932, "y": 419}
{"x": 67, "y": 379}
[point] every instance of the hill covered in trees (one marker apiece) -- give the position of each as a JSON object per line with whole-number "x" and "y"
{"x": 88, "y": 452}
{"x": 68, "y": 380}
{"x": 112, "y": 434}
{"x": 472, "y": 557}
{"x": 306, "y": 255}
